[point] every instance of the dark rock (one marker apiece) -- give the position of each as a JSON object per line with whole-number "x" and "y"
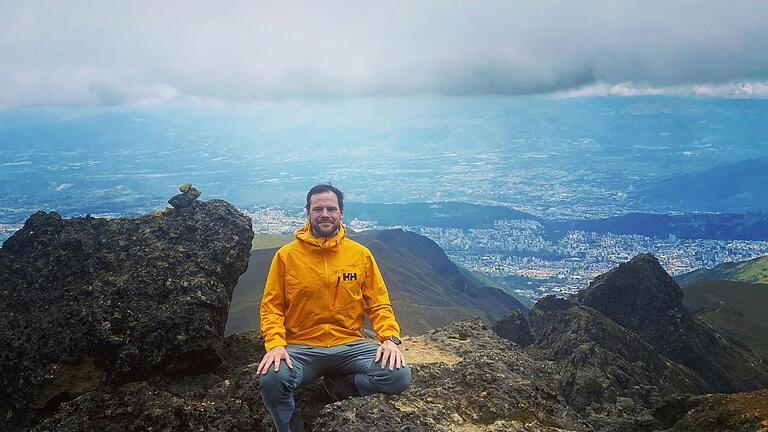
{"x": 186, "y": 198}
{"x": 226, "y": 400}
{"x": 140, "y": 406}
{"x": 87, "y": 302}
{"x": 515, "y": 327}
{"x": 551, "y": 303}
{"x": 640, "y": 296}
{"x": 601, "y": 365}
{"x": 716, "y": 412}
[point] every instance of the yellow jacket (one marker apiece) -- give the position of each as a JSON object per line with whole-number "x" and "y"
{"x": 318, "y": 289}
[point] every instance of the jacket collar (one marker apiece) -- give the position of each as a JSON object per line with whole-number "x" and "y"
{"x": 305, "y": 234}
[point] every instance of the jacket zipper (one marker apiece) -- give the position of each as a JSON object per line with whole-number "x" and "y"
{"x": 325, "y": 264}
{"x": 336, "y": 292}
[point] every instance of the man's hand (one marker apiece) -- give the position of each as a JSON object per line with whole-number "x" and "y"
{"x": 388, "y": 352}
{"x": 274, "y": 356}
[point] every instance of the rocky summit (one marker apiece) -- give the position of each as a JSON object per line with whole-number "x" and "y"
{"x": 627, "y": 355}
{"x": 90, "y": 303}
{"x": 641, "y": 297}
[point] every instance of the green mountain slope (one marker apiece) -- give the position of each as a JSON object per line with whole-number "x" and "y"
{"x": 427, "y": 289}
{"x": 752, "y": 271}
{"x": 734, "y": 309}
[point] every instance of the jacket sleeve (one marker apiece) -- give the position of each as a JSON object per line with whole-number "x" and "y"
{"x": 378, "y": 307}
{"x": 272, "y": 312}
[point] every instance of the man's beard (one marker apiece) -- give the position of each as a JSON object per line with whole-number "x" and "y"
{"x": 319, "y": 232}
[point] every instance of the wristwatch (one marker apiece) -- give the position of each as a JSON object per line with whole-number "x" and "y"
{"x": 394, "y": 339}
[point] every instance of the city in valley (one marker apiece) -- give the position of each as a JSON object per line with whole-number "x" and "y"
{"x": 518, "y": 256}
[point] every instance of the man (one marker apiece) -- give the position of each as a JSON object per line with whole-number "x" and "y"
{"x": 318, "y": 288}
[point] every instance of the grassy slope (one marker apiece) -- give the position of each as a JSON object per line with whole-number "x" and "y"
{"x": 752, "y": 271}
{"x": 269, "y": 241}
{"x": 734, "y": 309}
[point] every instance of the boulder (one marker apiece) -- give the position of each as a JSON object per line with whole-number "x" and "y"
{"x": 89, "y": 302}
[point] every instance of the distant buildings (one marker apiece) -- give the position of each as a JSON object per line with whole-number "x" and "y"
{"x": 522, "y": 259}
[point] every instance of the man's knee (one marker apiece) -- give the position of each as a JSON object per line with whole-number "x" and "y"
{"x": 401, "y": 380}
{"x": 273, "y": 383}
{"x": 392, "y": 381}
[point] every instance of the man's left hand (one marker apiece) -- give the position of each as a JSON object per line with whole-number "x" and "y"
{"x": 390, "y": 355}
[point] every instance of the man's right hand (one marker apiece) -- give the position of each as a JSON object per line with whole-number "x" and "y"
{"x": 274, "y": 356}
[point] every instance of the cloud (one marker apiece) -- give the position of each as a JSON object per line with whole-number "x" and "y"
{"x": 105, "y": 53}
{"x": 735, "y": 90}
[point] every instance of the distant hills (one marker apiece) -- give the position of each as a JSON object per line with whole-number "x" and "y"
{"x": 426, "y": 288}
{"x": 738, "y": 186}
{"x": 445, "y": 215}
{"x": 751, "y": 226}
{"x": 714, "y": 226}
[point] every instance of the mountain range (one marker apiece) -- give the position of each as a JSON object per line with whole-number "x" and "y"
{"x": 736, "y": 186}
{"x": 720, "y": 226}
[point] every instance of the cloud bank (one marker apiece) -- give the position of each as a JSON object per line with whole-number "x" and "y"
{"x": 104, "y": 53}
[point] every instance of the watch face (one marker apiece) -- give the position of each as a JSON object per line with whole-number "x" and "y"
{"x": 396, "y": 340}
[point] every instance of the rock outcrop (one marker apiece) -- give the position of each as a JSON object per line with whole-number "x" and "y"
{"x": 480, "y": 383}
{"x": 625, "y": 346}
{"x": 605, "y": 372}
{"x": 641, "y": 297}
{"x": 87, "y": 303}
{"x": 465, "y": 378}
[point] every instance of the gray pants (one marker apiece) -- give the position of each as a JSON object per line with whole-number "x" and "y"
{"x": 351, "y": 364}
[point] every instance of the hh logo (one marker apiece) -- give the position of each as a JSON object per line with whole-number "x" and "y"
{"x": 350, "y": 277}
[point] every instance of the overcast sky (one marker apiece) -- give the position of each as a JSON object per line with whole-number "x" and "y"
{"x": 95, "y": 53}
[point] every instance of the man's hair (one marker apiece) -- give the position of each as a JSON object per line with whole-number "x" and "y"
{"x": 323, "y": 187}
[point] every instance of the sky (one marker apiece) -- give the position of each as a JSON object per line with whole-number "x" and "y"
{"x": 96, "y": 53}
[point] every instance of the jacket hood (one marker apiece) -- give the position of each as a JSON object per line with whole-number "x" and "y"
{"x": 305, "y": 234}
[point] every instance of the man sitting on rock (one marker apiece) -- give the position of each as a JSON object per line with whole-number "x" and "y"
{"x": 318, "y": 288}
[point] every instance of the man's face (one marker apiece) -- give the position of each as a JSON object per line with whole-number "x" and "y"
{"x": 324, "y": 214}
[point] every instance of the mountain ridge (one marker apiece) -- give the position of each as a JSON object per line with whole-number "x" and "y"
{"x": 751, "y": 271}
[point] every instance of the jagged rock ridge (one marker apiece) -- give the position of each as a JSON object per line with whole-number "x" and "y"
{"x": 625, "y": 345}
{"x": 640, "y": 296}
